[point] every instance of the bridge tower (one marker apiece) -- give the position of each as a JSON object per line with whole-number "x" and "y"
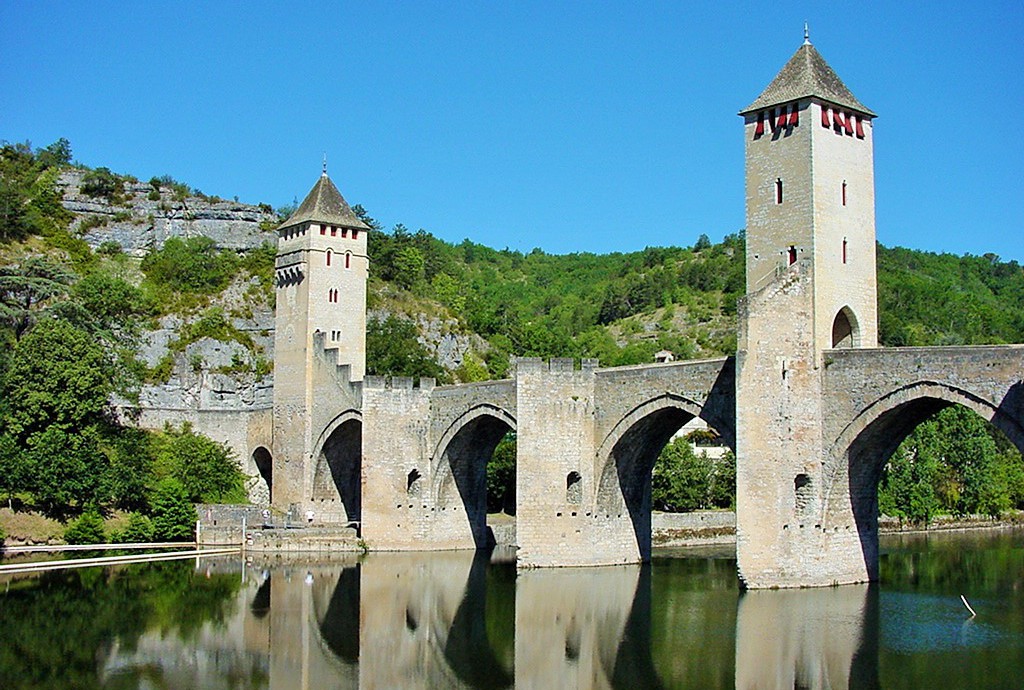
{"x": 810, "y": 253}
{"x": 321, "y": 272}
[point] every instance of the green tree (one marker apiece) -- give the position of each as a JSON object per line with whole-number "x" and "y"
{"x": 102, "y": 184}
{"x": 58, "y": 376}
{"x": 65, "y": 469}
{"x": 409, "y": 266}
{"x": 87, "y": 529}
{"x": 681, "y": 479}
{"x": 192, "y": 265}
{"x": 393, "y": 349}
{"x": 205, "y": 469}
{"x": 26, "y": 287}
{"x": 174, "y": 516}
{"x": 501, "y": 477}
{"x": 111, "y": 301}
{"x": 13, "y": 474}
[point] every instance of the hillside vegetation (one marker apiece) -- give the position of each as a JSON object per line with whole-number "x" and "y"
{"x": 75, "y": 311}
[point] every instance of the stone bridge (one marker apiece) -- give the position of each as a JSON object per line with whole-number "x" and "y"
{"x": 812, "y": 407}
{"x": 587, "y": 440}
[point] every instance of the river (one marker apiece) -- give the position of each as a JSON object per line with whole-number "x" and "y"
{"x": 452, "y": 620}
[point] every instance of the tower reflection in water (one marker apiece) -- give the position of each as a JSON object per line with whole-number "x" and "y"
{"x": 811, "y": 638}
{"x": 449, "y": 620}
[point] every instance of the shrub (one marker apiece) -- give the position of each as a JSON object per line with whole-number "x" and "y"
{"x": 174, "y": 516}
{"x": 194, "y": 265}
{"x": 110, "y": 248}
{"x": 154, "y": 195}
{"x": 139, "y": 530}
{"x": 102, "y": 184}
{"x": 87, "y": 529}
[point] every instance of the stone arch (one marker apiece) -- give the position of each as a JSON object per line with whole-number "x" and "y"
{"x": 845, "y": 329}
{"x": 459, "y": 464}
{"x": 337, "y": 474}
{"x": 264, "y": 464}
{"x": 854, "y": 462}
{"x": 626, "y": 458}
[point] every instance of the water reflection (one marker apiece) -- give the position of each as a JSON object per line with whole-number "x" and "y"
{"x": 820, "y": 638}
{"x": 453, "y": 620}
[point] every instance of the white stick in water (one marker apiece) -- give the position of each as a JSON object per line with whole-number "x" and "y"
{"x": 964, "y": 599}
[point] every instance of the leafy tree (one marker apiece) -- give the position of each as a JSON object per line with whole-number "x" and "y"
{"x": 56, "y": 154}
{"x": 102, "y": 184}
{"x": 501, "y": 477}
{"x": 87, "y": 529}
{"x": 192, "y": 265}
{"x": 26, "y": 287}
{"x": 66, "y": 469}
{"x": 174, "y": 517}
{"x": 111, "y": 301}
{"x": 204, "y": 469}
{"x": 130, "y": 471}
{"x": 681, "y": 479}
{"x": 393, "y": 349}
{"x": 13, "y": 474}
{"x": 58, "y": 376}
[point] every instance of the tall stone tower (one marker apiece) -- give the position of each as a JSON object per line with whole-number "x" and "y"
{"x": 811, "y": 197}
{"x": 321, "y": 273}
{"x": 810, "y": 243}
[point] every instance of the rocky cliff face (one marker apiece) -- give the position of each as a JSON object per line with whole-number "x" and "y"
{"x": 212, "y": 374}
{"x": 141, "y": 223}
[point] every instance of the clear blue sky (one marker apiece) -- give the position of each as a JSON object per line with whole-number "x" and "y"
{"x": 566, "y": 126}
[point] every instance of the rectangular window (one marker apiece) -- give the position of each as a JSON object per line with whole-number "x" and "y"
{"x": 759, "y": 129}
{"x": 778, "y": 191}
{"x": 355, "y": 234}
{"x": 323, "y": 229}
{"x": 844, "y": 194}
{"x": 334, "y": 231}
{"x": 344, "y": 233}
{"x": 348, "y": 260}
{"x": 844, "y": 250}
{"x": 794, "y": 115}
{"x": 849, "y": 124}
{"x": 792, "y": 255}
{"x": 860, "y": 128}
{"x": 824, "y": 117}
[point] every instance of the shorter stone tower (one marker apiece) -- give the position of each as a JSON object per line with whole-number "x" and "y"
{"x": 321, "y": 273}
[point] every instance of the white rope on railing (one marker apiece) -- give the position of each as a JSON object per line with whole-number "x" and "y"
{"x": 7, "y": 550}
{"x": 38, "y": 566}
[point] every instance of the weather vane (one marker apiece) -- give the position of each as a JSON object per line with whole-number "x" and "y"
{"x": 807, "y": 35}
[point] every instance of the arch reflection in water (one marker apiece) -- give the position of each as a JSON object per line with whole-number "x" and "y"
{"x": 425, "y": 623}
{"x": 584, "y": 628}
{"x": 816, "y": 638}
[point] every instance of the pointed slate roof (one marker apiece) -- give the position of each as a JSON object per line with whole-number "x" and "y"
{"x": 807, "y": 74}
{"x": 324, "y": 204}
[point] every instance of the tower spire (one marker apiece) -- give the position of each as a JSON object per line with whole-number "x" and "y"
{"x": 325, "y": 163}
{"x": 807, "y": 35}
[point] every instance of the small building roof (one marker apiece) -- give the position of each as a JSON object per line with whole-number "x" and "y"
{"x": 807, "y": 74}
{"x": 325, "y": 204}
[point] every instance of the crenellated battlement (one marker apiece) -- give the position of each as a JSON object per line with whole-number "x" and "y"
{"x": 555, "y": 365}
{"x": 399, "y": 383}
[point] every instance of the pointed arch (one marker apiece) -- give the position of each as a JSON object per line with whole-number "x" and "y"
{"x": 845, "y": 328}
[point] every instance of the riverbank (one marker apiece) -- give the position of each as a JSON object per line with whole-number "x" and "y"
{"x": 719, "y": 526}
